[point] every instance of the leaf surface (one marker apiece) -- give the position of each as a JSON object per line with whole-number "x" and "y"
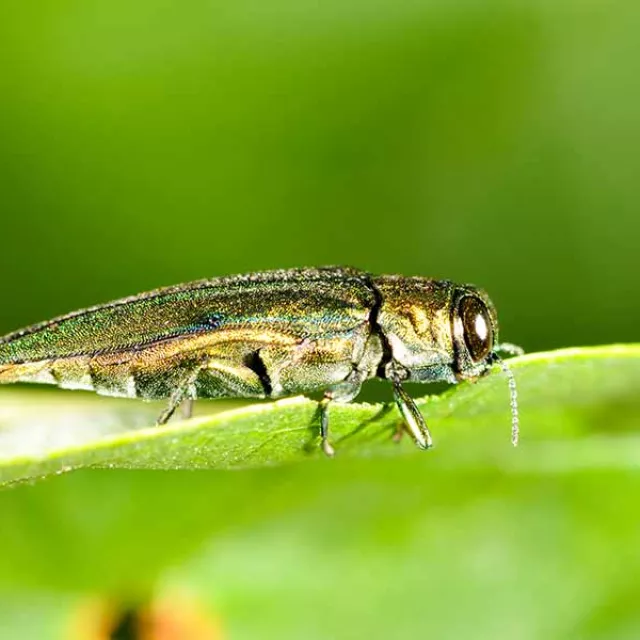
{"x": 574, "y": 393}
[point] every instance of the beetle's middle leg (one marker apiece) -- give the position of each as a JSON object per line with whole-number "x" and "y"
{"x": 342, "y": 393}
{"x": 324, "y": 425}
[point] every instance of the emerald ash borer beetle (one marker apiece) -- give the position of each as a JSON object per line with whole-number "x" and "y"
{"x": 268, "y": 335}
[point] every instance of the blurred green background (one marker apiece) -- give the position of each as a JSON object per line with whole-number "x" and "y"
{"x": 148, "y": 143}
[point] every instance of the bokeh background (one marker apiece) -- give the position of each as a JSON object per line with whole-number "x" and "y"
{"x": 148, "y": 143}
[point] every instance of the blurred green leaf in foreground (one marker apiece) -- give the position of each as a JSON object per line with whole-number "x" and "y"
{"x": 575, "y": 392}
{"x": 474, "y": 539}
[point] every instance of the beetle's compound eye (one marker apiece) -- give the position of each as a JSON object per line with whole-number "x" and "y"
{"x": 477, "y": 327}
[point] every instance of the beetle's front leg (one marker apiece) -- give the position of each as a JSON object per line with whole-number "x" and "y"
{"x": 412, "y": 419}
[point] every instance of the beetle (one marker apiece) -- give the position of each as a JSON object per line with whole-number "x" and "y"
{"x": 268, "y": 335}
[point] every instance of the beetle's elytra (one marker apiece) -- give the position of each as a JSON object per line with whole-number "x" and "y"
{"x": 267, "y": 335}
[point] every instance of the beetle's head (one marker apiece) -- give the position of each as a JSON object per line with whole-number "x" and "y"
{"x": 440, "y": 331}
{"x": 437, "y": 330}
{"x": 474, "y": 331}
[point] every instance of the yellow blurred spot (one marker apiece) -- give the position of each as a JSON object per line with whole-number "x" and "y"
{"x": 178, "y": 617}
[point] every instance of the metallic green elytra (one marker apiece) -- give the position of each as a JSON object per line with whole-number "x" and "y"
{"x": 268, "y": 335}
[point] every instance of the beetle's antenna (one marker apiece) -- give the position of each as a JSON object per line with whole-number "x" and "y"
{"x": 509, "y": 349}
{"x": 513, "y": 391}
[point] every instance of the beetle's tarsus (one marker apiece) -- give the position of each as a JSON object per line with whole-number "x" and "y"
{"x": 324, "y": 426}
{"x": 165, "y": 416}
{"x": 327, "y": 448}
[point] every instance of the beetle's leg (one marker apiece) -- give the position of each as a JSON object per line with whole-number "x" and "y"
{"x": 166, "y": 414}
{"x": 412, "y": 418}
{"x": 182, "y": 392}
{"x": 324, "y": 425}
{"x": 186, "y": 408}
{"x": 175, "y": 400}
{"x": 343, "y": 392}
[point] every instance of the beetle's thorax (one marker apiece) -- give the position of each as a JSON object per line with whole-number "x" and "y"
{"x": 414, "y": 320}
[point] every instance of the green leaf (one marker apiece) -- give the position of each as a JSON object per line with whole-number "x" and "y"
{"x": 573, "y": 393}
{"x": 473, "y": 539}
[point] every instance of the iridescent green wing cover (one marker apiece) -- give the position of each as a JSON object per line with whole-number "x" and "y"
{"x": 302, "y": 303}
